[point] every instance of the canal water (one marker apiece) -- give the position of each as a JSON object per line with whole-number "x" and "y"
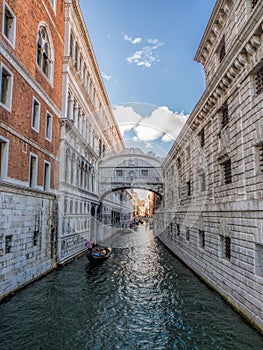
{"x": 142, "y": 298}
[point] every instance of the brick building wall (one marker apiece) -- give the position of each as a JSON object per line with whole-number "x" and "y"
{"x": 31, "y": 50}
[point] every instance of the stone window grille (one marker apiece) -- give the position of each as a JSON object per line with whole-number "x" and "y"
{"x": 259, "y": 82}
{"x": 224, "y": 115}
{"x": 187, "y": 234}
{"x": 44, "y": 60}
{"x": 178, "y": 230}
{"x": 202, "y": 182}
{"x": 179, "y": 163}
{"x": 35, "y": 114}
{"x": 48, "y": 126}
{"x": 259, "y": 259}
{"x": 33, "y": 170}
{"x": 6, "y": 86}
{"x": 254, "y": 3}
{"x": 261, "y": 158}
{"x": 227, "y": 244}
{"x": 188, "y": 152}
{"x": 222, "y": 50}
{"x": 9, "y": 25}
{"x": 144, "y": 172}
{"x": 71, "y": 46}
{"x": 119, "y": 172}
{"x": 8, "y": 244}
{"x": 201, "y": 236}
{"x": 227, "y": 170}
{"x": 201, "y": 136}
{"x": 188, "y": 188}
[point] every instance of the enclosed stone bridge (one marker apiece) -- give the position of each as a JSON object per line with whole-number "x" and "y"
{"x": 130, "y": 169}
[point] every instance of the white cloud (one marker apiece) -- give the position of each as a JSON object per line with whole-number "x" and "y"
{"x": 131, "y": 40}
{"x": 147, "y": 55}
{"x": 162, "y": 124}
{"x": 106, "y": 76}
{"x": 126, "y": 117}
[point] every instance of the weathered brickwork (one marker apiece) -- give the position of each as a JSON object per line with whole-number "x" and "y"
{"x": 212, "y": 213}
{"x": 30, "y": 108}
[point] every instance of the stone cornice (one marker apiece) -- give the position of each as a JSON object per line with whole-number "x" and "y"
{"x": 213, "y": 29}
{"x": 85, "y": 34}
{"x": 242, "y": 53}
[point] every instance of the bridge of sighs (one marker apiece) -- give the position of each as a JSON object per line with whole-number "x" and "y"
{"x": 130, "y": 170}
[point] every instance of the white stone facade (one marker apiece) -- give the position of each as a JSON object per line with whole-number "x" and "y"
{"x": 88, "y": 133}
{"x": 212, "y": 210}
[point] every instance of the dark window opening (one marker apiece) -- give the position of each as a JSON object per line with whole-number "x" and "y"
{"x": 202, "y": 137}
{"x": 188, "y": 188}
{"x": 8, "y": 244}
{"x": 202, "y": 238}
{"x": 227, "y": 172}
{"x": 259, "y": 82}
{"x": 222, "y": 50}
{"x": 254, "y": 3}
{"x": 227, "y": 247}
{"x": 225, "y": 116}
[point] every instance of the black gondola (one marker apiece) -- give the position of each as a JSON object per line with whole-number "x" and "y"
{"x": 97, "y": 256}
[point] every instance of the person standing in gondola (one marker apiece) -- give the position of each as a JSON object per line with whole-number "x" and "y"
{"x": 90, "y": 245}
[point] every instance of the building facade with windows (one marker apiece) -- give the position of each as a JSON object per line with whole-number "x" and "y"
{"x": 212, "y": 210}
{"x": 30, "y": 108}
{"x": 88, "y": 134}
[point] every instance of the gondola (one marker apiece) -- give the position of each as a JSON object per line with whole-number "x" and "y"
{"x": 97, "y": 257}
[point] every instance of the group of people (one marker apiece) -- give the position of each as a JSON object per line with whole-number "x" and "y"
{"x": 93, "y": 248}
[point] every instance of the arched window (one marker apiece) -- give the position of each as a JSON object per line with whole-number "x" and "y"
{"x": 44, "y": 59}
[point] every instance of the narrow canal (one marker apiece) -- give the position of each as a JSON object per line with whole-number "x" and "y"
{"x": 143, "y": 298}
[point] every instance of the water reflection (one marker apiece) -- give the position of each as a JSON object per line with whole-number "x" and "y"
{"x": 147, "y": 301}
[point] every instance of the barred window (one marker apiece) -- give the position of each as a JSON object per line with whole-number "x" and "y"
{"x": 202, "y": 137}
{"x": 254, "y": 3}
{"x": 119, "y": 173}
{"x": 227, "y": 247}
{"x": 222, "y": 50}
{"x": 188, "y": 188}
{"x": 227, "y": 171}
{"x": 224, "y": 116}
{"x": 261, "y": 158}
{"x": 259, "y": 82}
{"x": 202, "y": 182}
{"x": 144, "y": 172}
{"x": 8, "y": 244}
{"x": 187, "y": 234}
{"x": 201, "y": 234}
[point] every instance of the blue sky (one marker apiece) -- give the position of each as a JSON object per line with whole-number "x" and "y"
{"x": 145, "y": 50}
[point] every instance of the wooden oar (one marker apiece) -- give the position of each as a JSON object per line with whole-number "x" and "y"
{"x": 117, "y": 262}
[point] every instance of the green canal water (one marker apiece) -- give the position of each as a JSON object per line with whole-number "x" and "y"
{"x": 143, "y": 298}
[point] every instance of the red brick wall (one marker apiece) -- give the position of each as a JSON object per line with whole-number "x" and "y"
{"x": 29, "y": 14}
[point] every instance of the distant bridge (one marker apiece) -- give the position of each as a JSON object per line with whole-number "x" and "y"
{"x": 130, "y": 169}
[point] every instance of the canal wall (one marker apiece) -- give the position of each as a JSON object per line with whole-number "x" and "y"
{"x": 27, "y": 237}
{"x": 238, "y": 276}
{"x": 211, "y": 215}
